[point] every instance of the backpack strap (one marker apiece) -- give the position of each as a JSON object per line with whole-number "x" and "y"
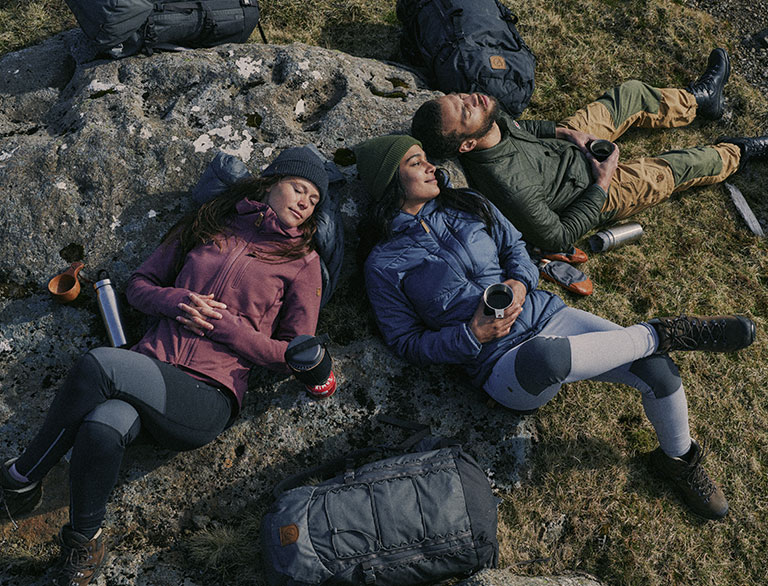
{"x": 506, "y": 13}
{"x": 261, "y": 32}
{"x": 346, "y": 463}
{"x": 421, "y": 430}
{"x": 454, "y": 17}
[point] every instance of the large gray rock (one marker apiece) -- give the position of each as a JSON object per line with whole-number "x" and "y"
{"x": 96, "y": 162}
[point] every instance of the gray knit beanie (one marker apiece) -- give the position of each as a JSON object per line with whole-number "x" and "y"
{"x": 300, "y": 162}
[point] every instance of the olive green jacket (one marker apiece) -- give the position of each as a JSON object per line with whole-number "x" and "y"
{"x": 542, "y": 184}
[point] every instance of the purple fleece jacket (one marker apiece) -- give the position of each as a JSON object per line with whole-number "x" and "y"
{"x": 268, "y": 303}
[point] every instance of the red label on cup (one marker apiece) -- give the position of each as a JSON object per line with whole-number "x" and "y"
{"x": 324, "y": 390}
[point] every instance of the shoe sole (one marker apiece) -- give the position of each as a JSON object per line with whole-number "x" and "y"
{"x": 752, "y": 330}
{"x": 23, "y": 512}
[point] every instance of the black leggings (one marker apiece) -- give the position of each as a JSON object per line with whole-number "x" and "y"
{"x": 108, "y": 397}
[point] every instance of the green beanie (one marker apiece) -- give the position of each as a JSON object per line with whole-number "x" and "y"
{"x": 379, "y": 158}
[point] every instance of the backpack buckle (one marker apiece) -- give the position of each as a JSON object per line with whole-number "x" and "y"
{"x": 369, "y": 574}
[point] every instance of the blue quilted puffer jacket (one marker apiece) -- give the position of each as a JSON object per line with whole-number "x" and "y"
{"x": 426, "y": 282}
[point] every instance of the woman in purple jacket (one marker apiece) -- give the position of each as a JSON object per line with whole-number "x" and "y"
{"x": 229, "y": 288}
{"x": 431, "y": 252}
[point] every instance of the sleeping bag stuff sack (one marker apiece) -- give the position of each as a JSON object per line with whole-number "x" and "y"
{"x": 469, "y": 46}
{"x": 125, "y": 27}
{"x": 407, "y": 519}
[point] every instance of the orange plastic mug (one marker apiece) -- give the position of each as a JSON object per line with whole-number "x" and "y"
{"x": 66, "y": 287}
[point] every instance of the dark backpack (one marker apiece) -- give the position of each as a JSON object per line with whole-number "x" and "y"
{"x": 125, "y": 27}
{"x": 225, "y": 170}
{"x": 407, "y": 519}
{"x": 469, "y": 46}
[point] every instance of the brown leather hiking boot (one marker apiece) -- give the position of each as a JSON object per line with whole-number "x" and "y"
{"x": 701, "y": 495}
{"x": 724, "y": 333}
{"x": 16, "y": 498}
{"x": 81, "y": 559}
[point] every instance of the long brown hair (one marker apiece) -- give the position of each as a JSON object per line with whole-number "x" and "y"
{"x": 210, "y": 223}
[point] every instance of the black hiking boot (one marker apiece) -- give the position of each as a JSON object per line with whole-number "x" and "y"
{"x": 724, "y": 333}
{"x": 708, "y": 89}
{"x": 17, "y": 498}
{"x": 701, "y": 495}
{"x": 81, "y": 559}
{"x": 751, "y": 148}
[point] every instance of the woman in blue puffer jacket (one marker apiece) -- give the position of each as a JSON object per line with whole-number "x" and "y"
{"x": 430, "y": 253}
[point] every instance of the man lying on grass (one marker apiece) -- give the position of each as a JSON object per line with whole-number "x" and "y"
{"x": 542, "y": 176}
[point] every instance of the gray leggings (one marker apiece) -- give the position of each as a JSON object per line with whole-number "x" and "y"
{"x": 576, "y": 345}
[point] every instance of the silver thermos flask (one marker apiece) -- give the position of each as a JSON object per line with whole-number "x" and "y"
{"x": 110, "y": 310}
{"x": 615, "y": 236}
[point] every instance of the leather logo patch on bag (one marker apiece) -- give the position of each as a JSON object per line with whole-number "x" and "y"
{"x": 289, "y": 534}
{"x": 497, "y": 62}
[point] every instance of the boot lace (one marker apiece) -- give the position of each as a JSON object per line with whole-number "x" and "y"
{"x": 691, "y": 333}
{"x": 703, "y": 85}
{"x": 697, "y": 478}
{"x": 7, "y": 510}
{"x": 75, "y": 562}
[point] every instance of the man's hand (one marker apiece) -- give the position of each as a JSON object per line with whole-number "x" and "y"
{"x": 198, "y": 312}
{"x": 577, "y": 137}
{"x": 487, "y": 327}
{"x": 603, "y": 172}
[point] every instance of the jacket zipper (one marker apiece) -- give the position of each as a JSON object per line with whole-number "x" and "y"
{"x": 447, "y": 249}
{"x": 187, "y": 349}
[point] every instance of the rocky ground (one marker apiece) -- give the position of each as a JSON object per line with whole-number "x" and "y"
{"x": 749, "y": 19}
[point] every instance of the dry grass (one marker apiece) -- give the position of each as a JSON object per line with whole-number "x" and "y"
{"x": 590, "y": 503}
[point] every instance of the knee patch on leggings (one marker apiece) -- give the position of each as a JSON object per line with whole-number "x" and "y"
{"x": 659, "y": 372}
{"x": 541, "y": 363}
{"x": 118, "y": 416}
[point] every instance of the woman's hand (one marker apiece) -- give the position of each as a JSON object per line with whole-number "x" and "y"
{"x": 520, "y": 291}
{"x": 198, "y": 312}
{"x": 487, "y": 327}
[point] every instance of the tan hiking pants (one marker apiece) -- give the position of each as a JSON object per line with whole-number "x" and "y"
{"x": 642, "y": 183}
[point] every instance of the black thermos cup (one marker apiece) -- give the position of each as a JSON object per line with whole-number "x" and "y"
{"x": 310, "y": 362}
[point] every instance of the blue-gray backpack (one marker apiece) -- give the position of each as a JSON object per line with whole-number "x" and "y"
{"x": 407, "y": 519}
{"x": 225, "y": 170}
{"x": 469, "y": 46}
{"x": 125, "y": 27}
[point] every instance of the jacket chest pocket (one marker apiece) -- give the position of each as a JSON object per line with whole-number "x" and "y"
{"x": 254, "y": 288}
